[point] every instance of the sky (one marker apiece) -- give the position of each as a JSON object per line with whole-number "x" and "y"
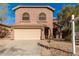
{"x": 11, "y": 14}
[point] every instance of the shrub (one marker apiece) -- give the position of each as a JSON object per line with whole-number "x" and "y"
{"x": 3, "y": 32}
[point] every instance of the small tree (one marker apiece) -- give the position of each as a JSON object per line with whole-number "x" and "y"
{"x": 3, "y": 11}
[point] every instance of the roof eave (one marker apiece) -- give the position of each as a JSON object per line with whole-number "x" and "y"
{"x": 32, "y": 6}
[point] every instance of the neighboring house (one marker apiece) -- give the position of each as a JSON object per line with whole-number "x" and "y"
{"x": 5, "y": 31}
{"x": 32, "y": 22}
{"x": 5, "y": 26}
{"x": 55, "y": 21}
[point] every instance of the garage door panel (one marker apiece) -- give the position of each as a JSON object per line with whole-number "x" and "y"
{"x": 27, "y": 34}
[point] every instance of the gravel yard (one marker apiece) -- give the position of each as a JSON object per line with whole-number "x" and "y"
{"x": 36, "y": 48}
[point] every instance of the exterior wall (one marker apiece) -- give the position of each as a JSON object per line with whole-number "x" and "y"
{"x": 34, "y": 16}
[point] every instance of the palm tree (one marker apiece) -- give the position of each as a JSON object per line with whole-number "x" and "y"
{"x": 66, "y": 13}
{"x": 65, "y": 17}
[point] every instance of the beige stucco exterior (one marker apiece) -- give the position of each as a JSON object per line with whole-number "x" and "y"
{"x": 34, "y": 21}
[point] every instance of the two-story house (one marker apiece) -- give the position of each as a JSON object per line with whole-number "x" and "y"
{"x": 32, "y": 22}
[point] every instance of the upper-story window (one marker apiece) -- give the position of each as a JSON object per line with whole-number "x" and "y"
{"x": 42, "y": 16}
{"x": 26, "y": 16}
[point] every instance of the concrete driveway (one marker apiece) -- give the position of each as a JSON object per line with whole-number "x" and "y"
{"x": 19, "y": 47}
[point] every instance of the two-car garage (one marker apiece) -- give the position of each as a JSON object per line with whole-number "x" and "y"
{"x": 27, "y": 34}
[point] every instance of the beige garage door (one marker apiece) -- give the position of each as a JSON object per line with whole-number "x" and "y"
{"x": 27, "y": 34}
